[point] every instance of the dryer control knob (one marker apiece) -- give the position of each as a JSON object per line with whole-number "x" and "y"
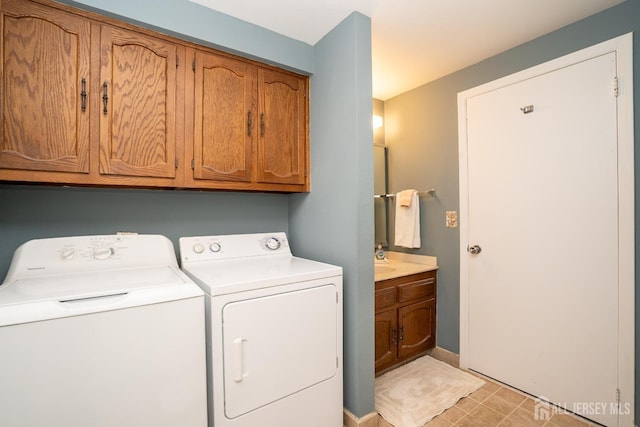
{"x": 102, "y": 253}
{"x": 215, "y": 247}
{"x": 198, "y": 248}
{"x": 273, "y": 243}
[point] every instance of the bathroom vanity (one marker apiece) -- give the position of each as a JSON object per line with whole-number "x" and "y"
{"x": 405, "y": 309}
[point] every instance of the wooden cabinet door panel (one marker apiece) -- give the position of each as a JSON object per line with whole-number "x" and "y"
{"x": 386, "y": 324}
{"x": 283, "y": 128}
{"x": 416, "y": 322}
{"x": 225, "y": 121}
{"x": 138, "y": 92}
{"x": 45, "y": 59}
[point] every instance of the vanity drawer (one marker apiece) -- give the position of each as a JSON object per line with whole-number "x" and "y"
{"x": 385, "y": 298}
{"x": 420, "y": 289}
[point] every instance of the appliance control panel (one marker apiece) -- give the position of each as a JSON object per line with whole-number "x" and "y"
{"x": 209, "y": 248}
{"x": 90, "y": 253}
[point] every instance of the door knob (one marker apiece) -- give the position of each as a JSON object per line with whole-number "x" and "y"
{"x": 474, "y": 250}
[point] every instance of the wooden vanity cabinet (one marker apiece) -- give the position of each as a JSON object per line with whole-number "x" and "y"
{"x": 405, "y": 319}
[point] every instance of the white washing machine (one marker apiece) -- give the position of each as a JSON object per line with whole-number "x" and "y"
{"x": 274, "y": 331}
{"x": 101, "y": 331}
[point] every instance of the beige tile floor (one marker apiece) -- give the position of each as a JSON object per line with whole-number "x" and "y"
{"x": 495, "y": 405}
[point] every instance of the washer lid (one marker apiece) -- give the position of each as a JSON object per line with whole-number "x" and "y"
{"x": 94, "y": 284}
{"x": 243, "y": 274}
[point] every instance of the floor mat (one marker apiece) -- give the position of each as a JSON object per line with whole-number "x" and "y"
{"x": 413, "y": 394}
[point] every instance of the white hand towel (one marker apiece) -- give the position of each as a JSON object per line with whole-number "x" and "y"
{"x": 408, "y": 222}
{"x": 405, "y": 197}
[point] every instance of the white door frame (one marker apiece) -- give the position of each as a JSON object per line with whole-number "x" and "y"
{"x": 623, "y": 47}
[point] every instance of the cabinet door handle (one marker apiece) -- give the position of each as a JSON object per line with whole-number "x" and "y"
{"x": 394, "y": 336}
{"x": 261, "y": 124}
{"x": 105, "y": 98}
{"x": 249, "y": 123}
{"x": 83, "y": 95}
{"x": 402, "y": 334}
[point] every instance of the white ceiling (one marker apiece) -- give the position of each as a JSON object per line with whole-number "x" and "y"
{"x": 417, "y": 41}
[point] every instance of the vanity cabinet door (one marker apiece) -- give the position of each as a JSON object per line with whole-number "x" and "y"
{"x": 386, "y": 336}
{"x": 138, "y": 83}
{"x": 44, "y": 112}
{"x": 416, "y": 325}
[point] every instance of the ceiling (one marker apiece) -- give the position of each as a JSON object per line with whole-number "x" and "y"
{"x": 417, "y": 41}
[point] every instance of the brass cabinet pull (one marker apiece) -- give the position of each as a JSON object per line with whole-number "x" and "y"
{"x": 83, "y": 95}
{"x": 261, "y": 124}
{"x": 249, "y": 123}
{"x": 394, "y": 336}
{"x": 105, "y": 98}
{"x": 402, "y": 334}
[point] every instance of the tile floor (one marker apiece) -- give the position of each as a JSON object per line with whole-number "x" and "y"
{"x": 496, "y": 405}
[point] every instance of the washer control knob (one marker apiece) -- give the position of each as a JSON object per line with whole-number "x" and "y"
{"x": 215, "y": 247}
{"x": 273, "y": 243}
{"x": 67, "y": 253}
{"x": 102, "y": 253}
{"x": 198, "y": 248}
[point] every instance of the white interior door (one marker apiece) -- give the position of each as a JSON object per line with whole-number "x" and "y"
{"x": 542, "y": 187}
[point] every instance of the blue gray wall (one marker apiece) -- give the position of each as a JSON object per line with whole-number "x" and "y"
{"x": 421, "y": 131}
{"x": 333, "y": 223}
{"x": 35, "y": 212}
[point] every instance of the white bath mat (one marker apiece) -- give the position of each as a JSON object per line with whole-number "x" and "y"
{"x": 413, "y": 394}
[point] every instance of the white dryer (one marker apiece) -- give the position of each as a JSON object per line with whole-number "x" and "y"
{"x": 274, "y": 331}
{"x": 101, "y": 331}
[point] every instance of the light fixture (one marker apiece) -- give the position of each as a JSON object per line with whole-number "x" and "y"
{"x": 377, "y": 121}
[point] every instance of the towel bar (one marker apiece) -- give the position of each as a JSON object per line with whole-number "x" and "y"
{"x": 431, "y": 192}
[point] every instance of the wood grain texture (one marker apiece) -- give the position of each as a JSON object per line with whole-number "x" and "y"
{"x": 282, "y": 146}
{"x": 138, "y": 131}
{"x": 147, "y": 137}
{"x": 44, "y": 58}
{"x": 412, "y": 300}
{"x": 224, "y": 102}
{"x": 386, "y": 334}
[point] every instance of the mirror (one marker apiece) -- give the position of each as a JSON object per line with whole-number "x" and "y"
{"x": 380, "y": 187}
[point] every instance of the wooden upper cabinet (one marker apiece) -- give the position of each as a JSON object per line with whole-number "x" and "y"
{"x": 224, "y": 123}
{"x": 44, "y": 113}
{"x": 282, "y": 145}
{"x": 138, "y": 104}
{"x": 88, "y": 100}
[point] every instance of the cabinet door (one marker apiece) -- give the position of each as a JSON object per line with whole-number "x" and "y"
{"x": 416, "y": 324}
{"x": 225, "y": 123}
{"x": 386, "y": 329}
{"x": 45, "y": 58}
{"x": 138, "y": 114}
{"x": 282, "y": 146}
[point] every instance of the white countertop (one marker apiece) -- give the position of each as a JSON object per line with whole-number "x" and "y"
{"x": 400, "y": 264}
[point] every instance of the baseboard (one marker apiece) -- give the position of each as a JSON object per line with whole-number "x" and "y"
{"x": 350, "y": 420}
{"x": 446, "y": 356}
